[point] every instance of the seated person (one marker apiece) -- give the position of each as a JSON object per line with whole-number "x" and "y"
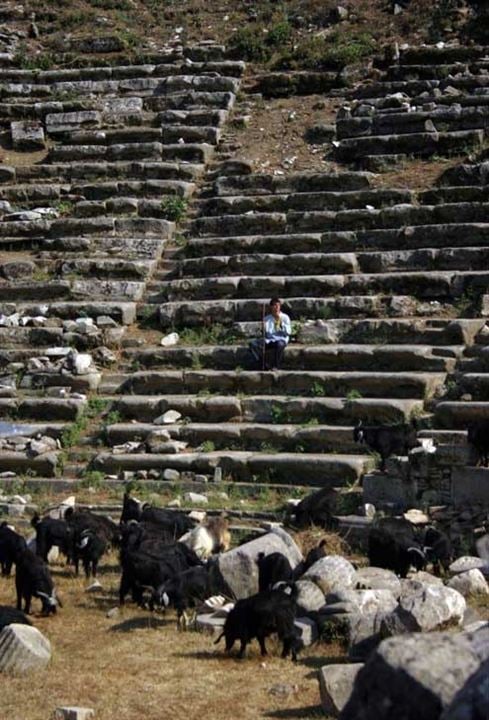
{"x": 276, "y": 334}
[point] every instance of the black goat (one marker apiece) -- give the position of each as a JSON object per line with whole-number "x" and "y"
{"x": 172, "y": 522}
{"x": 32, "y": 579}
{"x": 314, "y": 555}
{"x": 89, "y": 549}
{"x": 50, "y": 532}
{"x": 438, "y": 549}
{"x": 11, "y": 546}
{"x": 273, "y": 568}
{"x": 9, "y": 615}
{"x": 394, "y": 545}
{"x": 387, "y": 440}
{"x": 185, "y": 590}
{"x": 142, "y": 570}
{"x": 478, "y": 436}
{"x": 261, "y": 615}
{"x": 81, "y": 520}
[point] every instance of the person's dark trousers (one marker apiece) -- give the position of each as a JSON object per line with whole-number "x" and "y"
{"x": 274, "y": 353}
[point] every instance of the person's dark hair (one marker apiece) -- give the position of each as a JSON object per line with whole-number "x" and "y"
{"x": 275, "y": 300}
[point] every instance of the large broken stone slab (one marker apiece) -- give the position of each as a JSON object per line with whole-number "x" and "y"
{"x": 336, "y": 686}
{"x": 469, "y": 583}
{"x": 415, "y": 677}
{"x": 472, "y": 701}
{"x": 23, "y": 649}
{"x": 238, "y": 567}
{"x": 331, "y": 573}
{"x": 423, "y": 608}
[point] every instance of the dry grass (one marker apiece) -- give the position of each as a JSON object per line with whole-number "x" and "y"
{"x": 274, "y": 139}
{"x": 137, "y": 665}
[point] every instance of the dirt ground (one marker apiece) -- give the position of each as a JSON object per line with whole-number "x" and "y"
{"x": 137, "y": 665}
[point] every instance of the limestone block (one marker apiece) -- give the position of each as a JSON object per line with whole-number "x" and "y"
{"x": 467, "y": 562}
{"x": 424, "y": 608}
{"x": 238, "y": 567}
{"x": 417, "y": 676}
{"x": 307, "y": 630}
{"x": 336, "y": 686}
{"x": 27, "y": 135}
{"x": 331, "y": 573}
{"x": 373, "y": 578}
{"x": 23, "y": 649}
{"x": 472, "y": 700}
{"x": 310, "y": 596}
{"x": 471, "y": 582}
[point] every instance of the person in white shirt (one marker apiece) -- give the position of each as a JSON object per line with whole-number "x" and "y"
{"x": 268, "y": 350}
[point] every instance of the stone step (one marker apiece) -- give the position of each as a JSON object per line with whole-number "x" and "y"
{"x": 428, "y": 71}
{"x": 469, "y": 258}
{"x": 417, "y": 236}
{"x": 68, "y": 172}
{"x": 191, "y": 100}
{"x": 446, "y": 285}
{"x": 291, "y": 382}
{"x": 253, "y": 264}
{"x": 20, "y": 463}
{"x": 166, "y": 134}
{"x": 266, "y": 184}
{"x": 458, "y": 414}
{"x": 417, "y": 88}
{"x": 313, "y": 357}
{"x": 132, "y": 188}
{"x": 418, "y": 144}
{"x": 120, "y": 311}
{"x": 267, "y": 409}
{"x": 108, "y": 225}
{"x": 445, "y": 195}
{"x": 432, "y": 54}
{"x": 301, "y": 201}
{"x": 443, "y": 119}
{"x": 187, "y": 152}
{"x": 306, "y": 468}
{"x": 139, "y": 86}
{"x": 477, "y": 384}
{"x": 42, "y": 409}
{"x": 464, "y": 174}
{"x": 12, "y": 429}
{"x": 129, "y": 248}
{"x": 229, "y": 68}
{"x": 191, "y": 118}
{"x": 245, "y": 436}
{"x": 396, "y": 216}
{"x": 104, "y": 268}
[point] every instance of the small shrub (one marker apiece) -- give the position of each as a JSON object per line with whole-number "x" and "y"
{"x": 279, "y": 34}
{"x": 174, "y": 208}
{"x": 317, "y": 389}
{"x": 207, "y": 446}
{"x": 248, "y": 43}
{"x": 353, "y": 394}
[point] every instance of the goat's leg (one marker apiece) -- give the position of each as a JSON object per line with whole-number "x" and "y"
{"x": 242, "y": 649}
{"x": 263, "y": 648}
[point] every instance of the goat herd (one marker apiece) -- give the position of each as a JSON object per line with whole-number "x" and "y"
{"x": 168, "y": 560}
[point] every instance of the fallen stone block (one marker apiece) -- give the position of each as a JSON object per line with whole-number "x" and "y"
{"x": 27, "y": 135}
{"x": 336, "y": 686}
{"x": 73, "y": 713}
{"x": 23, "y": 649}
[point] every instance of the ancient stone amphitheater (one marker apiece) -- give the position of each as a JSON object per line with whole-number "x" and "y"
{"x": 387, "y": 287}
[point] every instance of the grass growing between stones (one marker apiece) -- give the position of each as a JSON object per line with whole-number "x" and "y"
{"x": 137, "y": 665}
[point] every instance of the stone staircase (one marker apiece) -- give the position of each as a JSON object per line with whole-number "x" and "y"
{"x": 387, "y": 287}
{"x": 102, "y": 160}
{"x": 429, "y": 101}
{"x": 377, "y": 330}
